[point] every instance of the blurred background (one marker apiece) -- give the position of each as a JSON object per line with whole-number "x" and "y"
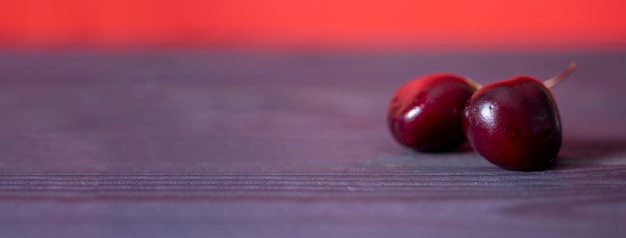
{"x": 299, "y": 24}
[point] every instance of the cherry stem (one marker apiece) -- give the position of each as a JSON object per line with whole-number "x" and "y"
{"x": 551, "y": 82}
{"x": 473, "y": 83}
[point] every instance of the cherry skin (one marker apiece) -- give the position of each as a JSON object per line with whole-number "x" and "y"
{"x": 425, "y": 113}
{"x": 515, "y": 123}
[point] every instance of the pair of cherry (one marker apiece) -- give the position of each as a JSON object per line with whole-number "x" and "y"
{"x": 512, "y": 123}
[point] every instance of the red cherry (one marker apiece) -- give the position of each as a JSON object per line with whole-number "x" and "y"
{"x": 515, "y": 123}
{"x": 425, "y": 113}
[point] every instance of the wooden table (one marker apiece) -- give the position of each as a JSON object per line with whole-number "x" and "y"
{"x": 186, "y": 143}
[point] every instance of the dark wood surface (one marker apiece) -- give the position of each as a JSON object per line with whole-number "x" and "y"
{"x": 279, "y": 144}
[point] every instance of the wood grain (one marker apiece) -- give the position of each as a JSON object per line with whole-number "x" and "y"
{"x": 240, "y": 144}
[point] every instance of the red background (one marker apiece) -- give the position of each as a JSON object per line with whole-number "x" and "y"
{"x": 492, "y": 24}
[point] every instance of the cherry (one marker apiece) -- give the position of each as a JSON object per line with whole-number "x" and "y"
{"x": 425, "y": 113}
{"x": 515, "y": 123}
